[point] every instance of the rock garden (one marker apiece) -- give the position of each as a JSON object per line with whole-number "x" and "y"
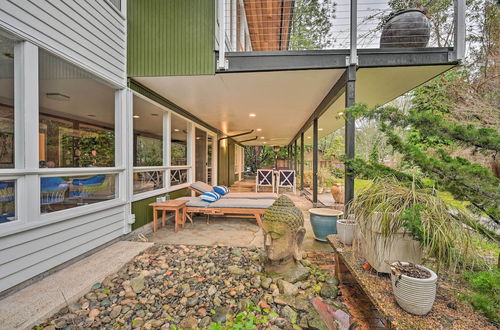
{"x": 174, "y": 287}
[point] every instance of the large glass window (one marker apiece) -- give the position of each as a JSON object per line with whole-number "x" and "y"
{"x": 179, "y": 138}
{"x": 6, "y": 102}
{"x": 76, "y": 116}
{"x": 63, "y": 192}
{"x": 148, "y": 145}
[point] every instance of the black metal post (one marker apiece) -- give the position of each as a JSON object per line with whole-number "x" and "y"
{"x": 302, "y": 161}
{"x": 315, "y": 161}
{"x": 295, "y": 156}
{"x": 350, "y": 131}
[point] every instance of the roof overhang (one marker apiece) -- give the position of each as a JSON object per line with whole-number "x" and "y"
{"x": 283, "y": 101}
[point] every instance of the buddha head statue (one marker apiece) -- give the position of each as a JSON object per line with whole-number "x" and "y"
{"x": 284, "y": 231}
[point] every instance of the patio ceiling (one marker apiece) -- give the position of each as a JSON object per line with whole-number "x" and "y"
{"x": 281, "y": 101}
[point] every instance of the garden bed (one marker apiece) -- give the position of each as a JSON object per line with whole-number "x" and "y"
{"x": 448, "y": 311}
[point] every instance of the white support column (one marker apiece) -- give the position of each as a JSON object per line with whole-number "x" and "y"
{"x": 191, "y": 138}
{"x": 125, "y": 142}
{"x": 221, "y": 62}
{"x": 26, "y": 129}
{"x": 166, "y": 146}
{"x": 353, "y": 57}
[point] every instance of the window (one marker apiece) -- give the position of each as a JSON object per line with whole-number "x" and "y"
{"x": 75, "y": 130}
{"x": 179, "y": 138}
{"x": 6, "y": 102}
{"x": 7, "y": 200}
{"x": 178, "y": 176}
{"x": 61, "y": 192}
{"x": 148, "y": 145}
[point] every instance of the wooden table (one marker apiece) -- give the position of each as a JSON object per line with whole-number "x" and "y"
{"x": 177, "y": 206}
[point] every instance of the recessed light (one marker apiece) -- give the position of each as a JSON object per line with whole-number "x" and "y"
{"x": 57, "y": 97}
{"x": 320, "y": 129}
{"x": 93, "y": 116}
{"x": 197, "y": 138}
{"x": 264, "y": 142}
{"x": 176, "y": 130}
{"x": 136, "y": 116}
{"x": 341, "y": 113}
{"x": 259, "y": 129}
{"x": 308, "y": 137}
{"x": 262, "y": 137}
{"x": 252, "y": 115}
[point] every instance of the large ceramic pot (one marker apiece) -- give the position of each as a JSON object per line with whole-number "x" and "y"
{"x": 414, "y": 295}
{"x": 380, "y": 251}
{"x": 324, "y": 222}
{"x": 346, "y": 230}
{"x": 338, "y": 192}
{"x": 406, "y": 29}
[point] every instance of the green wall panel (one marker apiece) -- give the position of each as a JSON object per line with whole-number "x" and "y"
{"x": 170, "y": 37}
{"x": 144, "y": 213}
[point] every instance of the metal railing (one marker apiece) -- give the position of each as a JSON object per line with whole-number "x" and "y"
{"x": 287, "y": 25}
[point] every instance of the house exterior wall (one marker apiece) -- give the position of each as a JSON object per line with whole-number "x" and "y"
{"x": 89, "y": 33}
{"x": 171, "y": 37}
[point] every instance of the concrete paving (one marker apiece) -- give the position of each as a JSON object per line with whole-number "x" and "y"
{"x": 232, "y": 231}
{"x": 35, "y": 303}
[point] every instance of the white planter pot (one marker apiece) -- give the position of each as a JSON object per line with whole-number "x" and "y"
{"x": 380, "y": 251}
{"x": 414, "y": 295}
{"x": 346, "y": 229}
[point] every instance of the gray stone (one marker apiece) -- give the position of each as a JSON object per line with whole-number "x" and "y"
{"x": 212, "y": 290}
{"x": 189, "y": 323}
{"x": 220, "y": 314}
{"x": 314, "y": 320}
{"x": 266, "y": 282}
{"x": 205, "y": 322}
{"x": 115, "y": 312}
{"x": 106, "y": 303}
{"x": 96, "y": 286}
{"x": 192, "y": 301}
{"x": 138, "y": 283}
{"x": 235, "y": 270}
{"x": 60, "y": 323}
{"x": 288, "y": 313}
{"x": 287, "y": 288}
{"x": 332, "y": 280}
{"x": 295, "y": 274}
{"x": 217, "y": 301}
{"x": 298, "y": 303}
{"x": 329, "y": 291}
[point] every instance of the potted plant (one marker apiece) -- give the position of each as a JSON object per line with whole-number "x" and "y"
{"x": 400, "y": 221}
{"x": 414, "y": 287}
{"x": 409, "y": 28}
{"x": 346, "y": 229}
{"x": 337, "y": 191}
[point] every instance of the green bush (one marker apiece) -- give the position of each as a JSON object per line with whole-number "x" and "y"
{"x": 485, "y": 295}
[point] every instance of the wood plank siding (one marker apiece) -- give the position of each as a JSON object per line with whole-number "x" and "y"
{"x": 171, "y": 37}
{"x": 89, "y": 33}
{"x": 269, "y": 23}
{"x": 28, "y": 253}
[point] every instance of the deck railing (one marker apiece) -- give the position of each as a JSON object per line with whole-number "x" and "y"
{"x": 290, "y": 25}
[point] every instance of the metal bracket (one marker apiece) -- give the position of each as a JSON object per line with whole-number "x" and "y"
{"x": 223, "y": 66}
{"x": 349, "y": 62}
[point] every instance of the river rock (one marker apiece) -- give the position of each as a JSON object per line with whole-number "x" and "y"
{"x": 137, "y": 283}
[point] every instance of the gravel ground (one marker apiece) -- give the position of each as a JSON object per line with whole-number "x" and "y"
{"x": 172, "y": 287}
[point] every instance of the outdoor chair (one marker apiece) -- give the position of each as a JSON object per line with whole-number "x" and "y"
{"x": 81, "y": 188}
{"x": 265, "y": 178}
{"x": 52, "y": 191}
{"x": 286, "y": 179}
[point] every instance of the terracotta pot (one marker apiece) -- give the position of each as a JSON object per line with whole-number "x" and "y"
{"x": 338, "y": 192}
{"x": 414, "y": 295}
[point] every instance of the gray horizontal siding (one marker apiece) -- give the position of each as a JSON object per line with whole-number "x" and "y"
{"x": 29, "y": 253}
{"x": 88, "y": 32}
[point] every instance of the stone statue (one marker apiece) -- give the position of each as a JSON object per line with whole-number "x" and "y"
{"x": 284, "y": 233}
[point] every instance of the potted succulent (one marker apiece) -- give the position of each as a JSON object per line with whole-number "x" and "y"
{"x": 398, "y": 221}
{"x": 414, "y": 287}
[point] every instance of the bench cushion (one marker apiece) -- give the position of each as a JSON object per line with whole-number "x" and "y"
{"x": 201, "y": 186}
{"x": 251, "y": 195}
{"x": 194, "y": 202}
{"x": 241, "y": 203}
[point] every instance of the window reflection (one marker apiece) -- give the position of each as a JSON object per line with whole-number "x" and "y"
{"x": 60, "y": 193}
{"x": 7, "y": 201}
{"x": 6, "y": 102}
{"x": 178, "y": 176}
{"x": 178, "y": 145}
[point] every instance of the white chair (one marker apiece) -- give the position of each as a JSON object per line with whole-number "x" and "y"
{"x": 286, "y": 179}
{"x": 265, "y": 178}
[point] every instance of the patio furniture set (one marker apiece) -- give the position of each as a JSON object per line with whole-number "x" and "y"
{"x": 241, "y": 204}
{"x": 276, "y": 178}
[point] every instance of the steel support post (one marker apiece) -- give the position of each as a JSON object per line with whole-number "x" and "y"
{"x": 350, "y": 131}
{"x": 315, "y": 161}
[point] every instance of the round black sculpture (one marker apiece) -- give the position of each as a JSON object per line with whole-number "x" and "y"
{"x": 406, "y": 29}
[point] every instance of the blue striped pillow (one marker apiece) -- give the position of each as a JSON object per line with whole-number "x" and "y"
{"x": 221, "y": 190}
{"x": 210, "y": 196}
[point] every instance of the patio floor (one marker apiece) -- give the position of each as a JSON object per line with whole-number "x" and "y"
{"x": 233, "y": 231}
